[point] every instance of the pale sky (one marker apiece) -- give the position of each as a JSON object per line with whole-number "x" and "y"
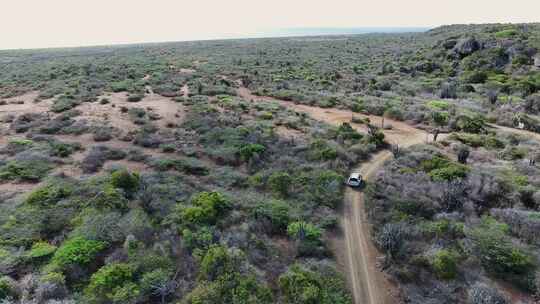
{"x": 55, "y": 23}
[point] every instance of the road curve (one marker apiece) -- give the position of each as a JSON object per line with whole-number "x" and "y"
{"x": 367, "y": 283}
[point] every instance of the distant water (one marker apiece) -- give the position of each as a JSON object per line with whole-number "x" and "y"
{"x": 324, "y": 31}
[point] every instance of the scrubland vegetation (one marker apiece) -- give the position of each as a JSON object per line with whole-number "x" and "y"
{"x": 448, "y": 227}
{"x": 135, "y": 174}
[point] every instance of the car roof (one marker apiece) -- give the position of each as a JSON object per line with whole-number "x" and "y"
{"x": 355, "y": 175}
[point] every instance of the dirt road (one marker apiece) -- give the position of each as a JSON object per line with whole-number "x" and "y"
{"x": 367, "y": 283}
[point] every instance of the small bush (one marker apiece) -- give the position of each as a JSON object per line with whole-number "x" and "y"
{"x": 442, "y": 169}
{"x": 135, "y": 98}
{"x": 498, "y": 255}
{"x": 279, "y": 183}
{"x": 77, "y": 251}
{"x": 111, "y": 282}
{"x": 207, "y": 207}
{"x": 246, "y": 152}
{"x": 48, "y": 195}
{"x": 300, "y": 285}
{"x": 26, "y": 170}
{"x": 7, "y": 288}
{"x": 275, "y": 212}
{"x": 304, "y": 231}
{"x": 123, "y": 179}
{"x": 41, "y": 249}
{"x": 444, "y": 263}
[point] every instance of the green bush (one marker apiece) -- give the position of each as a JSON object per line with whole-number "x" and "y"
{"x": 123, "y": 179}
{"x": 274, "y": 211}
{"x": 508, "y": 33}
{"x": 233, "y": 288}
{"x": 476, "y": 140}
{"x": 302, "y": 286}
{"x": 41, "y": 249}
{"x": 304, "y": 231}
{"x": 112, "y": 282}
{"x": 27, "y": 170}
{"x": 438, "y": 105}
{"x": 200, "y": 238}
{"x": 444, "y": 263}
{"x": 321, "y": 150}
{"x": 475, "y": 77}
{"x": 135, "y": 97}
{"x": 77, "y": 251}
{"x": 110, "y": 198}
{"x": 347, "y": 132}
{"x": 7, "y": 289}
{"x": 279, "y": 183}
{"x": 440, "y": 118}
{"x": 215, "y": 263}
{"x": 442, "y": 169}
{"x": 48, "y": 195}
{"x": 497, "y": 253}
{"x": 247, "y": 151}
{"x": 475, "y": 124}
{"x": 154, "y": 278}
{"x": 207, "y": 207}
{"x": 62, "y": 149}
{"x": 324, "y": 187}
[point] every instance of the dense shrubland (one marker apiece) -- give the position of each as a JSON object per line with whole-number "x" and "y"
{"x": 233, "y": 212}
{"x": 237, "y": 199}
{"x": 447, "y": 226}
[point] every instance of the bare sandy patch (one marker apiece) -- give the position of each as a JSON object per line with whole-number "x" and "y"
{"x": 187, "y": 71}
{"x": 169, "y": 111}
{"x": 24, "y": 104}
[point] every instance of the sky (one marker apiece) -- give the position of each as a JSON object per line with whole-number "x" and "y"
{"x": 57, "y": 23}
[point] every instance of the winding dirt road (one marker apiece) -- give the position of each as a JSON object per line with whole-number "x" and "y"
{"x": 367, "y": 283}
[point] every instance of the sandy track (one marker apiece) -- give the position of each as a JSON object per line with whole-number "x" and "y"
{"x": 367, "y": 283}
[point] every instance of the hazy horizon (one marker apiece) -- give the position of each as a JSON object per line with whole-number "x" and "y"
{"x": 275, "y": 33}
{"x": 71, "y": 23}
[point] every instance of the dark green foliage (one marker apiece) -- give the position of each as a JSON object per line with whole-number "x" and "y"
{"x": 444, "y": 264}
{"x": 276, "y": 212}
{"x": 112, "y": 283}
{"x": 110, "y": 198}
{"x": 48, "y": 195}
{"x": 187, "y": 165}
{"x": 7, "y": 290}
{"x": 442, "y": 169}
{"x": 247, "y": 151}
{"x": 279, "y": 183}
{"x": 303, "y": 286}
{"x": 322, "y": 150}
{"x": 123, "y": 179}
{"x": 206, "y": 208}
{"x": 135, "y": 98}
{"x": 60, "y": 149}
{"x": 497, "y": 253}
{"x": 468, "y": 124}
{"x": 24, "y": 170}
{"x": 346, "y": 132}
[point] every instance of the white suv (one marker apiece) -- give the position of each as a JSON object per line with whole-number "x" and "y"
{"x": 355, "y": 180}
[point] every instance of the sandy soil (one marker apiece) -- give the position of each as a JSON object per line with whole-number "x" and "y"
{"x": 24, "y": 104}
{"x": 97, "y": 114}
{"x": 185, "y": 91}
{"x": 110, "y": 114}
